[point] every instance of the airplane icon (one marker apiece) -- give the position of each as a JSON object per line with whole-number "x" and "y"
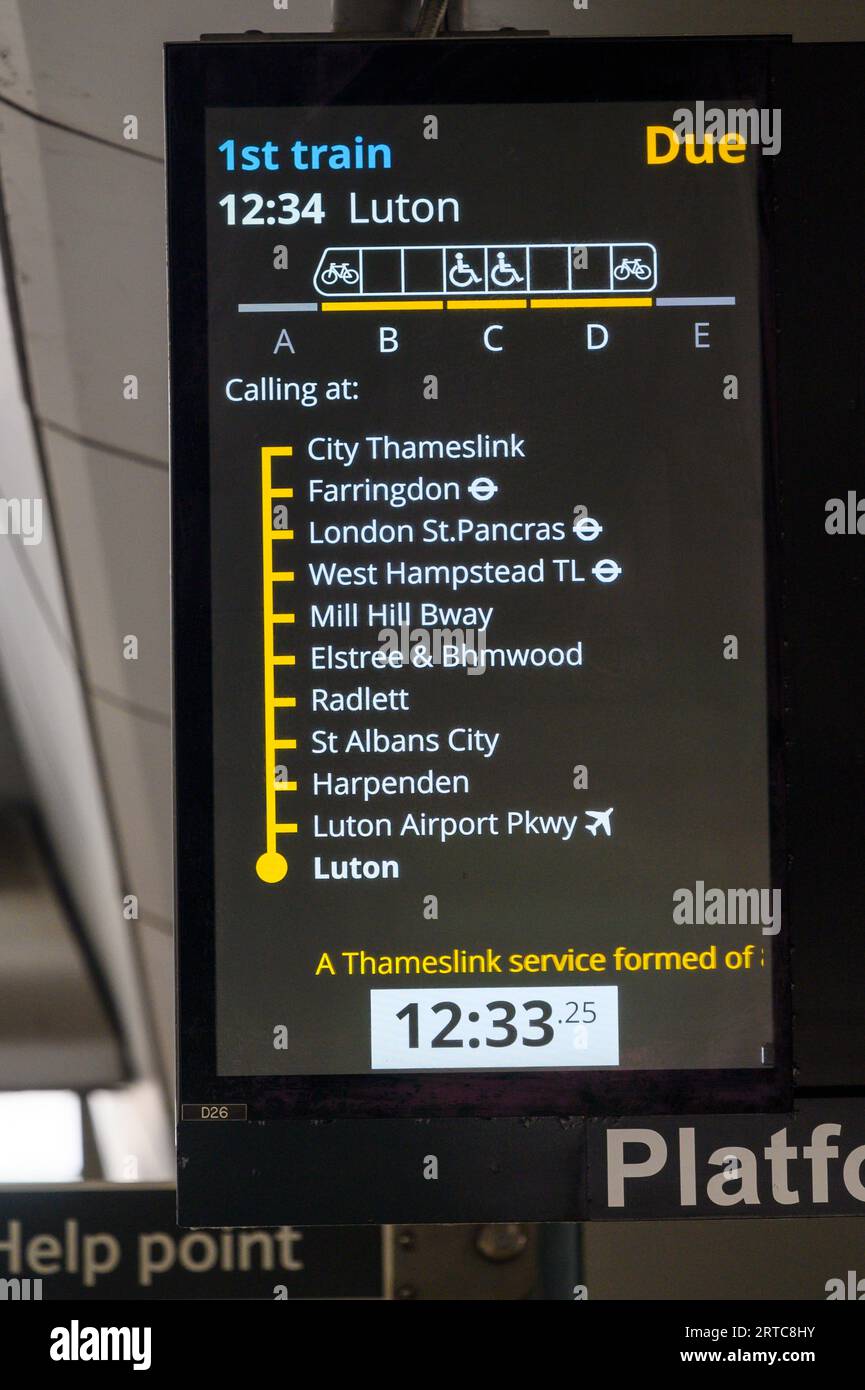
{"x": 601, "y": 822}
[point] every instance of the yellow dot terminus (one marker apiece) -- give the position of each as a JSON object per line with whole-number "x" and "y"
{"x": 272, "y": 865}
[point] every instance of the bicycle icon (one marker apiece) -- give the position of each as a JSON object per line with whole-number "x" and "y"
{"x": 339, "y": 271}
{"x": 503, "y": 274}
{"x": 629, "y": 267}
{"x": 461, "y": 275}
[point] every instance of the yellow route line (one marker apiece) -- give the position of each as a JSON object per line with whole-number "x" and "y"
{"x": 271, "y": 866}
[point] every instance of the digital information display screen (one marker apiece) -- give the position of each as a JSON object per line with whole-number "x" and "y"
{"x": 489, "y": 660}
{"x": 480, "y": 703}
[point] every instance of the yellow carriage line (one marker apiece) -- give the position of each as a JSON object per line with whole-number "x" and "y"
{"x": 345, "y": 306}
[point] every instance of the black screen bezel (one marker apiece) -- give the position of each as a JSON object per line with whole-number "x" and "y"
{"x": 399, "y": 72}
